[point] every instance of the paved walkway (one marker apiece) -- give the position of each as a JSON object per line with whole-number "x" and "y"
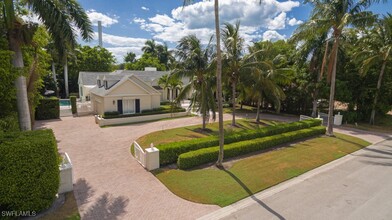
{"x": 357, "y": 186}
{"x": 109, "y": 182}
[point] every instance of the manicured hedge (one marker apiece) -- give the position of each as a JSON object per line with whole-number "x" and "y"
{"x": 206, "y": 155}
{"x": 169, "y": 152}
{"x": 29, "y": 170}
{"x": 145, "y": 112}
{"x": 48, "y": 108}
{"x": 73, "y": 104}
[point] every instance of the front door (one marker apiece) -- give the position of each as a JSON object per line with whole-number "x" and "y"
{"x": 137, "y": 105}
{"x": 128, "y": 106}
{"x": 120, "y": 106}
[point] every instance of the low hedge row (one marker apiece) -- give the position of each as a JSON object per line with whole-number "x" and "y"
{"x": 166, "y": 111}
{"x": 48, "y": 108}
{"x": 169, "y": 152}
{"x": 74, "y": 108}
{"x": 29, "y": 170}
{"x": 206, "y": 155}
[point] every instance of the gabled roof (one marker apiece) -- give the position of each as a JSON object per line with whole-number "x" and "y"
{"x": 101, "y": 91}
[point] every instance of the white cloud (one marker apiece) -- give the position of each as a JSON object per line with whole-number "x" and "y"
{"x": 145, "y": 8}
{"x": 198, "y": 18}
{"x": 107, "y": 21}
{"x": 294, "y": 21}
{"x": 272, "y": 35}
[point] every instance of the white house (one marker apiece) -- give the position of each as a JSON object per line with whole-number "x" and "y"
{"x": 88, "y": 80}
{"x": 126, "y": 94}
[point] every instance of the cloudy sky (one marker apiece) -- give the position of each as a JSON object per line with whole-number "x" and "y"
{"x": 127, "y": 24}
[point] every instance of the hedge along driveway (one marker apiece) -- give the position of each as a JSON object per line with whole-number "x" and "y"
{"x": 206, "y": 155}
{"x": 170, "y": 152}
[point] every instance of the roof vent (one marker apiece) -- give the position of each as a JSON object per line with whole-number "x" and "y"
{"x": 150, "y": 69}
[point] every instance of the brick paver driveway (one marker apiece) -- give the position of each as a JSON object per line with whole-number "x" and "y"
{"x": 109, "y": 182}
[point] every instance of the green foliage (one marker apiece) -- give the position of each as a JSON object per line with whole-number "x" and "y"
{"x": 9, "y": 123}
{"x": 147, "y": 60}
{"x": 155, "y": 111}
{"x": 73, "y": 104}
{"x": 7, "y": 79}
{"x": 29, "y": 170}
{"x": 48, "y": 108}
{"x": 206, "y": 155}
{"x": 169, "y": 152}
{"x": 130, "y": 57}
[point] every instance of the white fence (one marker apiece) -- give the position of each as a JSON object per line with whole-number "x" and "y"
{"x": 148, "y": 158}
{"x": 140, "y": 155}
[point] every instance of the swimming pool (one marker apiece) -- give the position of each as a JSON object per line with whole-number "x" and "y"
{"x": 65, "y": 102}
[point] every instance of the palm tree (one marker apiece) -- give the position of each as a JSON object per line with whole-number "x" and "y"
{"x": 196, "y": 64}
{"x": 171, "y": 83}
{"x": 218, "y": 80}
{"x": 150, "y": 47}
{"x": 315, "y": 47}
{"x": 334, "y": 16}
{"x": 233, "y": 44}
{"x": 266, "y": 76}
{"x": 58, "y": 17}
{"x": 378, "y": 46}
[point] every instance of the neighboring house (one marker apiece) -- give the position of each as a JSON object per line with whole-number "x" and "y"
{"x": 88, "y": 80}
{"x": 127, "y": 94}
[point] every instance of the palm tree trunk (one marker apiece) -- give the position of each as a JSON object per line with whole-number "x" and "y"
{"x": 21, "y": 88}
{"x": 315, "y": 96}
{"x": 55, "y": 78}
{"x": 66, "y": 77}
{"x": 233, "y": 101}
{"x": 332, "y": 91}
{"x": 219, "y": 84}
{"x": 258, "y": 109}
{"x": 373, "y": 114}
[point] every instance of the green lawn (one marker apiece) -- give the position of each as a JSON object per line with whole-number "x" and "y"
{"x": 383, "y": 124}
{"x": 190, "y": 132}
{"x": 251, "y": 175}
{"x": 68, "y": 211}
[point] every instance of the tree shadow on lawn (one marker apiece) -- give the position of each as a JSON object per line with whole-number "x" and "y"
{"x": 253, "y": 196}
{"x": 105, "y": 206}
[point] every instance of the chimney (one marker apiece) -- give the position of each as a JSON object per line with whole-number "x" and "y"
{"x": 100, "y": 33}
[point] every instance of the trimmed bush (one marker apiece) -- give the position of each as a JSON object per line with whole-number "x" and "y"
{"x": 169, "y": 152}
{"x": 73, "y": 104}
{"x": 145, "y": 112}
{"x": 9, "y": 123}
{"x": 206, "y": 155}
{"x": 48, "y": 108}
{"x": 29, "y": 170}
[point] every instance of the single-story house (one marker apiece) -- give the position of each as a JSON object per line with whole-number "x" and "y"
{"x": 88, "y": 80}
{"x": 127, "y": 94}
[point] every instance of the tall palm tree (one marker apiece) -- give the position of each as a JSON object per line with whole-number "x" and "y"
{"x": 315, "y": 47}
{"x": 232, "y": 56}
{"x": 150, "y": 47}
{"x": 378, "y": 47}
{"x": 58, "y": 17}
{"x": 196, "y": 64}
{"x": 334, "y": 16}
{"x": 266, "y": 76}
{"x": 218, "y": 80}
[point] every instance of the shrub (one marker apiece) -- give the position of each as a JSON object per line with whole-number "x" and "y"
{"x": 9, "y": 123}
{"x": 169, "y": 152}
{"x": 145, "y": 112}
{"x": 206, "y": 155}
{"x": 29, "y": 170}
{"x": 76, "y": 94}
{"x": 73, "y": 104}
{"x": 113, "y": 113}
{"x": 48, "y": 108}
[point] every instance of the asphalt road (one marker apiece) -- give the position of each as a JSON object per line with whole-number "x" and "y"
{"x": 358, "y": 186}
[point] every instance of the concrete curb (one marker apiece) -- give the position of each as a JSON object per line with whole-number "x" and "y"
{"x": 228, "y": 210}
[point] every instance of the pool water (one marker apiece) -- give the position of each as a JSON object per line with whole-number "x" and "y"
{"x": 65, "y": 102}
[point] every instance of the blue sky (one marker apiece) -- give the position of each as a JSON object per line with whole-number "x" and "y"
{"x": 129, "y": 23}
